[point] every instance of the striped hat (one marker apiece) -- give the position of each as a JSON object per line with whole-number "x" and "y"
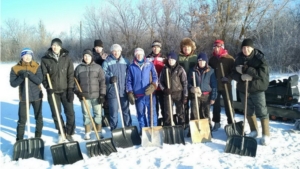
{"x": 26, "y": 51}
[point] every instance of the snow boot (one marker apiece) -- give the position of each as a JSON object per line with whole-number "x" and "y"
{"x": 265, "y": 131}
{"x": 87, "y": 132}
{"x": 216, "y": 127}
{"x": 253, "y": 126}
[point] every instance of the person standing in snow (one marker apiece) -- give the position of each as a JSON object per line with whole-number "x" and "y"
{"x": 59, "y": 66}
{"x": 91, "y": 79}
{"x": 28, "y": 68}
{"x": 159, "y": 60}
{"x": 115, "y": 68}
{"x": 251, "y": 65}
{"x": 177, "y": 89}
{"x": 141, "y": 81}
{"x": 220, "y": 55}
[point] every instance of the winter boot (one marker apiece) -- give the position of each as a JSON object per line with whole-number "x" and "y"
{"x": 87, "y": 132}
{"x": 216, "y": 127}
{"x": 265, "y": 131}
{"x": 69, "y": 138}
{"x": 253, "y": 126}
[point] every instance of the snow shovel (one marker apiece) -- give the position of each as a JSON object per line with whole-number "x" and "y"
{"x": 98, "y": 147}
{"x": 172, "y": 134}
{"x": 234, "y": 128}
{"x": 242, "y": 145}
{"x": 63, "y": 153}
{"x": 199, "y": 128}
{"x": 152, "y": 136}
{"x": 125, "y": 136}
{"x": 31, "y": 147}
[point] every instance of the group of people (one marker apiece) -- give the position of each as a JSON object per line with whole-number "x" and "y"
{"x": 147, "y": 82}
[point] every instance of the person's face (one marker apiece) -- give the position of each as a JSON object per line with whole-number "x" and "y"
{"x": 217, "y": 49}
{"x": 171, "y": 61}
{"x": 27, "y": 58}
{"x": 116, "y": 53}
{"x": 202, "y": 63}
{"x": 87, "y": 58}
{"x": 139, "y": 57}
{"x": 156, "y": 49}
{"x": 247, "y": 50}
{"x": 98, "y": 49}
{"x": 56, "y": 48}
{"x": 187, "y": 50}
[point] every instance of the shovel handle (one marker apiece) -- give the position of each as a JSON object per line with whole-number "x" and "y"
{"x": 196, "y": 100}
{"x": 169, "y": 96}
{"x": 27, "y": 106}
{"x": 119, "y": 104}
{"x": 88, "y": 110}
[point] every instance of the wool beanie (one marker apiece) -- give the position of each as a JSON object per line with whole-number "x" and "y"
{"x": 247, "y": 42}
{"x": 26, "y": 51}
{"x": 56, "y": 41}
{"x": 173, "y": 55}
{"x": 156, "y": 43}
{"x": 98, "y": 42}
{"x": 202, "y": 56}
{"x": 139, "y": 51}
{"x": 115, "y": 47}
{"x": 87, "y": 51}
{"x": 219, "y": 42}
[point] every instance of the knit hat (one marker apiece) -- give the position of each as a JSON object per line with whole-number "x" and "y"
{"x": 156, "y": 43}
{"x": 98, "y": 42}
{"x": 219, "y": 42}
{"x": 56, "y": 41}
{"x": 87, "y": 51}
{"x": 247, "y": 42}
{"x": 115, "y": 47}
{"x": 173, "y": 55}
{"x": 202, "y": 56}
{"x": 26, "y": 51}
{"x": 139, "y": 51}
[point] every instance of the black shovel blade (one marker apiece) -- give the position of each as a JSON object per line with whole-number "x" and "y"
{"x": 241, "y": 145}
{"x": 126, "y": 137}
{"x": 66, "y": 153}
{"x": 229, "y": 129}
{"x": 27, "y": 148}
{"x": 100, "y": 147}
{"x": 173, "y": 135}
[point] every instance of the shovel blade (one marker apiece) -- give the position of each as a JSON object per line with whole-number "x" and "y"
{"x": 229, "y": 129}
{"x": 100, "y": 147}
{"x": 126, "y": 137}
{"x": 66, "y": 153}
{"x": 173, "y": 135}
{"x": 202, "y": 134}
{"x": 27, "y": 148}
{"x": 241, "y": 145}
{"x": 154, "y": 139}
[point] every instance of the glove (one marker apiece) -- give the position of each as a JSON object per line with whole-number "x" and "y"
{"x": 70, "y": 95}
{"x": 131, "y": 98}
{"x": 150, "y": 89}
{"x": 244, "y": 69}
{"x": 246, "y": 77}
{"x": 113, "y": 79}
{"x": 184, "y": 100}
{"x": 167, "y": 91}
{"x": 23, "y": 73}
{"x": 79, "y": 95}
{"x": 50, "y": 91}
{"x": 224, "y": 79}
{"x": 101, "y": 99}
{"x": 196, "y": 90}
{"x": 239, "y": 69}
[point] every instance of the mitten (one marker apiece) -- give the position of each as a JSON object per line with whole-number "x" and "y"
{"x": 150, "y": 89}
{"x": 246, "y": 77}
{"x": 101, "y": 99}
{"x": 113, "y": 79}
{"x": 167, "y": 91}
{"x": 131, "y": 98}
{"x": 49, "y": 91}
{"x": 224, "y": 79}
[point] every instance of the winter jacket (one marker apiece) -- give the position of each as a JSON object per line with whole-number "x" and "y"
{"x": 91, "y": 79}
{"x": 177, "y": 79}
{"x": 138, "y": 78}
{"x": 61, "y": 72}
{"x": 257, "y": 68}
{"x": 228, "y": 64}
{"x": 205, "y": 80}
{"x": 159, "y": 61}
{"x": 115, "y": 67}
{"x": 97, "y": 57}
{"x": 187, "y": 62}
{"x": 35, "y": 78}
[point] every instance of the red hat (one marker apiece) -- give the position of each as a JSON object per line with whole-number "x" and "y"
{"x": 219, "y": 42}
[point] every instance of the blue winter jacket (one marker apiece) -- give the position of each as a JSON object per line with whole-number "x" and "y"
{"x": 138, "y": 78}
{"x": 115, "y": 67}
{"x": 206, "y": 81}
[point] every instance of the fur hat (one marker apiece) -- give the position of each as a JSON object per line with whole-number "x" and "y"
{"x": 156, "y": 43}
{"x": 139, "y": 51}
{"x": 56, "y": 41}
{"x": 115, "y": 47}
{"x": 187, "y": 42}
{"x": 87, "y": 51}
{"x": 173, "y": 55}
{"x": 247, "y": 42}
{"x": 26, "y": 51}
{"x": 98, "y": 42}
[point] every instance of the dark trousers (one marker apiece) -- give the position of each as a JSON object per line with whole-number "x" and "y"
{"x": 61, "y": 98}
{"x": 186, "y": 110}
{"x": 204, "y": 107}
{"x": 179, "y": 119}
{"x": 160, "y": 103}
{"x": 256, "y": 104}
{"x": 217, "y": 107}
{"x": 37, "y": 108}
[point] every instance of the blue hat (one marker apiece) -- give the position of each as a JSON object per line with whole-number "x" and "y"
{"x": 26, "y": 51}
{"x": 202, "y": 56}
{"x": 173, "y": 55}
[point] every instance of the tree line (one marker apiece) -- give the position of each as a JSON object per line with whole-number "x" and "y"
{"x": 273, "y": 25}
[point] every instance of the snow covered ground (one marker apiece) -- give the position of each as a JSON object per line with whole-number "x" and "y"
{"x": 283, "y": 152}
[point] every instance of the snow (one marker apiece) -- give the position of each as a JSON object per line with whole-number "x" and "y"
{"x": 283, "y": 152}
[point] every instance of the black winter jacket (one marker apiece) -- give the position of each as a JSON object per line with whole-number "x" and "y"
{"x": 91, "y": 79}
{"x": 257, "y": 68}
{"x": 61, "y": 72}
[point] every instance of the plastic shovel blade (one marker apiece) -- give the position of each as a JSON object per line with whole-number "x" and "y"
{"x": 66, "y": 153}
{"x": 229, "y": 129}
{"x": 241, "y": 145}
{"x": 27, "y": 148}
{"x": 126, "y": 137}
{"x": 173, "y": 135}
{"x": 100, "y": 147}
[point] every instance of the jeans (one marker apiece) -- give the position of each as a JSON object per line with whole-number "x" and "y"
{"x": 96, "y": 107}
